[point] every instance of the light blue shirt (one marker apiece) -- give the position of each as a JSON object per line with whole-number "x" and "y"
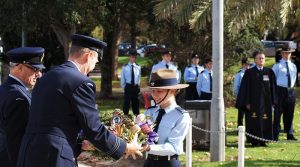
{"x": 237, "y": 81}
{"x": 17, "y": 79}
{"x": 162, "y": 65}
{"x": 280, "y": 71}
{"x": 203, "y": 82}
{"x": 171, "y": 131}
{"x": 126, "y": 74}
{"x": 190, "y": 73}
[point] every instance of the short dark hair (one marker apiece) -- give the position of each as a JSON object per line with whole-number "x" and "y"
{"x": 207, "y": 60}
{"x": 257, "y": 52}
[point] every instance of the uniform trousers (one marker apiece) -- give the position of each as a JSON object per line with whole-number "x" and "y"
{"x": 205, "y": 96}
{"x": 285, "y": 107}
{"x": 191, "y": 91}
{"x": 131, "y": 94}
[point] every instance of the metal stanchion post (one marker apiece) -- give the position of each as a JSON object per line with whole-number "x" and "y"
{"x": 241, "y": 146}
{"x": 188, "y": 146}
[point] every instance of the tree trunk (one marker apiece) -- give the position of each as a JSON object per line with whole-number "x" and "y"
{"x": 133, "y": 32}
{"x": 106, "y": 68}
{"x": 115, "y": 49}
{"x": 109, "y": 64}
{"x": 63, "y": 36}
{"x": 4, "y": 71}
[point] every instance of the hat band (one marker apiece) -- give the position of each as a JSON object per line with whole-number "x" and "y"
{"x": 163, "y": 82}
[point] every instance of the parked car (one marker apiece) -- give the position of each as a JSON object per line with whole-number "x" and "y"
{"x": 151, "y": 49}
{"x": 270, "y": 47}
{"x": 124, "y": 48}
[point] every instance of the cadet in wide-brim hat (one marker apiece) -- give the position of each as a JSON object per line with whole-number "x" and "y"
{"x": 171, "y": 121}
{"x": 165, "y": 79}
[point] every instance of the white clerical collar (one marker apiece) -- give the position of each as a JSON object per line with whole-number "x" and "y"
{"x": 17, "y": 79}
{"x": 74, "y": 64}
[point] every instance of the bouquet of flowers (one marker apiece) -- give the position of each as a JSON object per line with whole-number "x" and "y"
{"x": 138, "y": 128}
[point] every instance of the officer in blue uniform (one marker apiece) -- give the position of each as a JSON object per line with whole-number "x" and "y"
{"x": 204, "y": 82}
{"x": 285, "y": 72}
{"x": 15, "y": 99}
{"x": 166, "y": 63}
{"x": 63, "y": 103}
{"x": 237, "y": 83}
{"x": 190, "y": 76}
{"x": 171, "y": 121}
{"x": 130, "y": 82}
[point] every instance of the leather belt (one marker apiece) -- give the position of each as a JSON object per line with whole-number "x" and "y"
{"x": 157, "y": 157}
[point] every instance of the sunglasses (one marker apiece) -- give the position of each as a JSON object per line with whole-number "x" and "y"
{"x": 32, "y": 68}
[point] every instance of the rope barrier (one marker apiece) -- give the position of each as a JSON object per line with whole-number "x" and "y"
{"x": 247, "y": 134}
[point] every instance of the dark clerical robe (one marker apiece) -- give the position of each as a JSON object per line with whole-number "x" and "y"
{"x": 258, "y": 88}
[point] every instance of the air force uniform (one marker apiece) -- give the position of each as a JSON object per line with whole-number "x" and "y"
{"x": 166, "y": 65}
{"x": 15, "y": 100}
{"x": 204, "y": 85}
{"x": 285, "y": 72}
{"x": 63, "y": 103}
{"x": 190, "y": 76}
{"x": 130, "y": 82}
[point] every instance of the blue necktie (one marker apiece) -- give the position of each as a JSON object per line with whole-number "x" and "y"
{"x": 167, "y": 66}
{"x": 158, "y": 119}
{"x": 210, "y": 82}
{"x": 288, "y": 74}
{"x": 132, "y": 75}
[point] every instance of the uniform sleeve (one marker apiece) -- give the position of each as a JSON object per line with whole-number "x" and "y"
{"x": 16, "y": 118}
{"x": 275, "y": 69}
{"x": 199, "y": 84}
{"x": 123, "y": 80}
{"x": 175, "y": 139}
{"x": 236, "y": 84}
{"x": 243, "y": 97}
{"x": 186, "y": 75}
{"x": 94, "y": 130}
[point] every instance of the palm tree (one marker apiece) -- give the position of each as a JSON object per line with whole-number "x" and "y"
{"x": 237, "y": 12}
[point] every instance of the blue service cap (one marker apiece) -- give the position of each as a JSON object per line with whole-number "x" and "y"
{"x": 32, "y": 56}
{"x": 88, "y": 42}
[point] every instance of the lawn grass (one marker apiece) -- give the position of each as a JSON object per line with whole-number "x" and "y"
{"x": 276, "y": 154}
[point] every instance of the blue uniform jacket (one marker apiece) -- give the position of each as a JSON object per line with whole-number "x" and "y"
{"x": 63, "y": 103}
{"x": 15, "y": 100}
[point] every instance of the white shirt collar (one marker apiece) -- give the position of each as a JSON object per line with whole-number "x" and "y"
{"x": 17, "y": 79}
{"x": 74, "y": 64}
{"x": 171, "y": 107}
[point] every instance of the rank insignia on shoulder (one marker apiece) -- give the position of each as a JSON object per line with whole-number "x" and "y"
{"x": 19, "y": 98}
{"x": 90, "y": 84}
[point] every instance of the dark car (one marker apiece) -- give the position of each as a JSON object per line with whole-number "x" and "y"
{"x": 124, "y": 48}
{"x": 152, "y": 49}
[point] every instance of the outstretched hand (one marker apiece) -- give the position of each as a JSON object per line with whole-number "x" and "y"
{"x": 133, "y": 148}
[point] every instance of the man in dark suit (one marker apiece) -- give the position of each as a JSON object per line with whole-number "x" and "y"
{"x": 15, "y": 99}
{"x": 63, "y": 103}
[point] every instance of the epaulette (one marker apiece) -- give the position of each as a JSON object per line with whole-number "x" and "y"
{"x": 189, "y": 66}
{"x": 181, "y": 110}
{"x": 137, "y": 64}
{"x": 240, "y": 70}
{"x": 202, "y": 71}
{"x": 151, "y": 107}
{"x": 125, "y": 64}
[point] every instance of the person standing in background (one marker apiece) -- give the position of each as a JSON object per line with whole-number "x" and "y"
{"x": 285, "y": 72}
{"x": 204, "y": 82}
{"x": 237, "y": 83}
{"x": 257, "y": 96}
{"x": 130, "y": 82}
{"x": 190, "y": 76}
{"x": 166, "y": 63}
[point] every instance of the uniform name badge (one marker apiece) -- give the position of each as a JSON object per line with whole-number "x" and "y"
{"x": 266, "y": 78}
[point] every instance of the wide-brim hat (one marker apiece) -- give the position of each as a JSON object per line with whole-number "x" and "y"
{"x": 32, "y": 56}
{"x": 165, "y": 79}
{"x": 287, "y": 49}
